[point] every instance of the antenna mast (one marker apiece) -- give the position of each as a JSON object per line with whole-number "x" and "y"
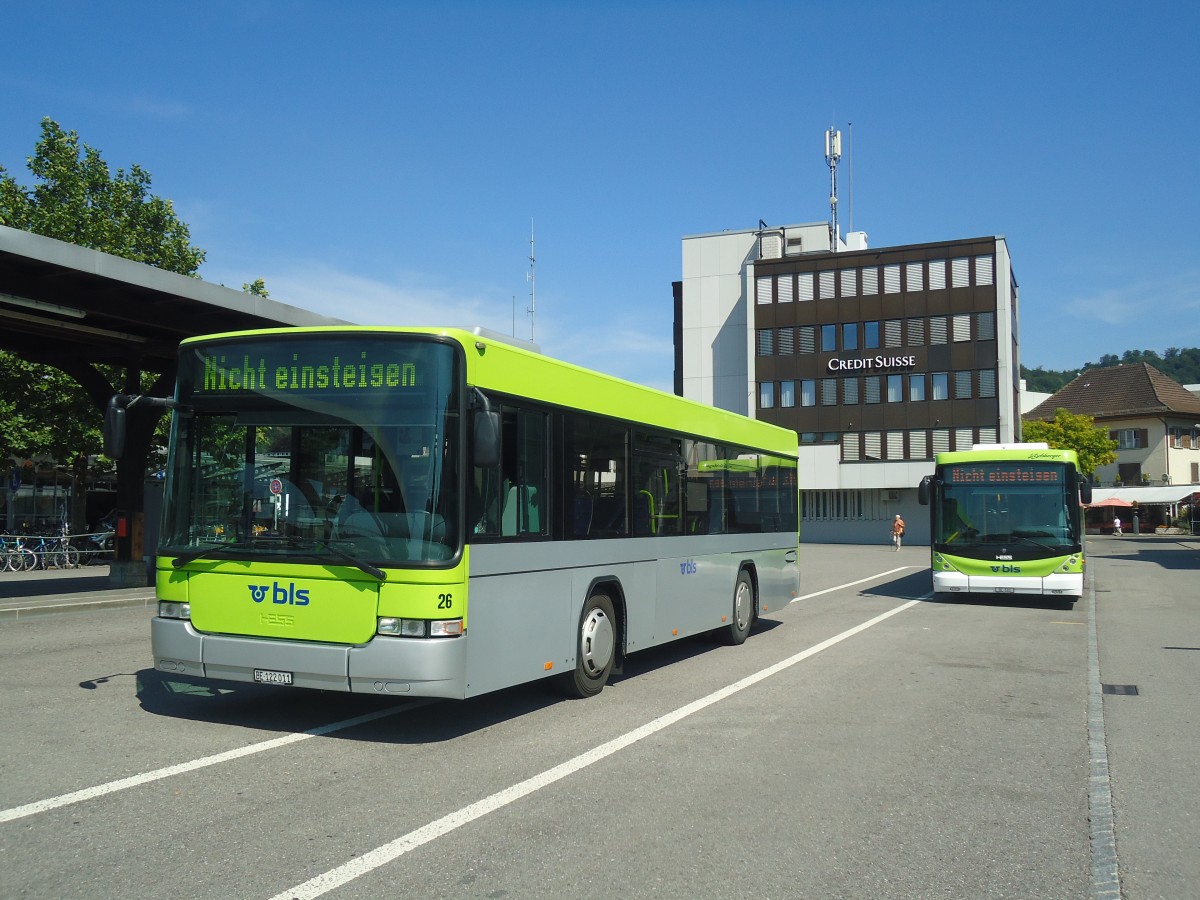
{"x": 531, "y": 277}
{"x": 833, "y": 153}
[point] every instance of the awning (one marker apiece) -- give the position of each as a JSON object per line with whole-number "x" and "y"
{"x": 1160, "y": 494}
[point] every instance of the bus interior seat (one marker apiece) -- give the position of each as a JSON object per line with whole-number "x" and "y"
{"x": 520, "y": 514}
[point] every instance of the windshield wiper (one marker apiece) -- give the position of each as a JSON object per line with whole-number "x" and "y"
{"x": 317, "y": 543}
{"x": 213, "y": 546}
{"x": 292, "y": 543}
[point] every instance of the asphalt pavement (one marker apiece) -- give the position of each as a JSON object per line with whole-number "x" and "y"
{"x": 40, "y": 592}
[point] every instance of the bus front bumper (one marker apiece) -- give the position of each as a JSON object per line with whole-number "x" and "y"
{"x": 412, "y": 667}
{"x": 1055, "y": 585}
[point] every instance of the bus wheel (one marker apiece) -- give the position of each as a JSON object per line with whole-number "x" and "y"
{"x": 596, "y": 650}
{"x": 738, "y": 628}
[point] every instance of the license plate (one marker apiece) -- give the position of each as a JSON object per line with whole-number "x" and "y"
{"x": 270, "y": 676}
{"x": 998, "y": 591}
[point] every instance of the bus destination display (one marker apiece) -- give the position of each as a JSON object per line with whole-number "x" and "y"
{"x": 1015, "y": 473}
{"x": 315, "y": 369}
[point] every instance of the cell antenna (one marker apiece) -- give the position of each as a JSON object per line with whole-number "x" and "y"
{"x": 833, "y": 153}
{"x": 531, "y": 277}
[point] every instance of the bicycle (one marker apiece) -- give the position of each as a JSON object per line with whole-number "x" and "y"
{"x": 15, "y": 555}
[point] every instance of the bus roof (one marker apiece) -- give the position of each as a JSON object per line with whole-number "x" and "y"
{"x": 1007, "y": 453}
{"x": 497, "y": 363}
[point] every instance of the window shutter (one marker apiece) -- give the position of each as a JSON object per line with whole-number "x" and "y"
{"x": 1143, "y": 437}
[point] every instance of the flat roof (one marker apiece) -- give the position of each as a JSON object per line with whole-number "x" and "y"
{"x": 59, "y": 299}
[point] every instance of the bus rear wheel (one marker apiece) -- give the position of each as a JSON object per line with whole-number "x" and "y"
{"x": 742, "y": 618}
{"x": 596, "y": 649}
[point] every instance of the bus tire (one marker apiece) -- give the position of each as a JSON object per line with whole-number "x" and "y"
{"x": 742, "y": 616}
{"x": 595, "y": 650}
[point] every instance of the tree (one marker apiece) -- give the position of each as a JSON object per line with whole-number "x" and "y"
{"x": 1070, "y": 431}
{"x": 78, "y": 201}
{"x": 257, "y": 288}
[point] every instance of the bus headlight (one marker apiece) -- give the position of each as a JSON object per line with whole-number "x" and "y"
{"x": 171, "y": 609}
{"x": 419, "y": 628}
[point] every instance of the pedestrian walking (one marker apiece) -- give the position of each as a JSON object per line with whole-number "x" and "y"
{"x": 897, "y": 532}
{"x": 1117, "y": 525}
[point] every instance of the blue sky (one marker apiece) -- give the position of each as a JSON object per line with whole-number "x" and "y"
{"x": 382, "y": 161}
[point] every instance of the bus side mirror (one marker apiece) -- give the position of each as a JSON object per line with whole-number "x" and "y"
{"x": 486, "y": 438}
{"x": 923, "y": 490}
{"x": 114, "y": 427}
{"x": 1085, "y": 491}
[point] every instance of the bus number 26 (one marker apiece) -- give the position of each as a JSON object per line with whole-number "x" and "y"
{"x": 445, "y": 601}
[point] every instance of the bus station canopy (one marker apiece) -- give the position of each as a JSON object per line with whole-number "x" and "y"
{"x": 59, "y": 301}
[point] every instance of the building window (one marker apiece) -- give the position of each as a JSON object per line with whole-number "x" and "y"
{"x": 916, "y": 332}
{"x": 806, "y": 338}
{"x": 937, "y": 329}
{"x": 989, "y": 436}
{"x": 804, "y": 286}
{"x": 766, "y": 342}
{"x": 849, "y": 282}
{"x": 871, "y": 390}
{"x": 850, "y": 391}
{"x": 1130, "y": 438}
{"x": 964, "y": 438}
{"x": 895, "y": 388}
{"x": 962, "y": 385}
{"x": 895, "y": 445}
{"x": 941, "y": 440}
{"x": 962, "y": 327}
{"x": 763, "y": 290}
{"x": 787, "y": 394}
{"x": 984, "y": 270}
{"x": 914, "y": 276}
{"x": 850, "y": 451}
{"x": 785, "y": 342}
{"x": 786, "y": 287}
{"x": 916, "y": 387}
{"x": 891, "y": 279}
{"x": 849, "y": 335}
{"x": 960, "y": 272}
{"x": 808, "y": 392}
{"x": 937, "y": 274}
{"x": 939, "y": 383}
{"x": 870, "y": 335}
{"x": 987, "y": 383}
{"x": 870, "y": 280}
{"x": 985, "y": 326}
{"x": 828, "y": 338}
{"x": 829, "y": 391}
{"x": 891, "y": 332}
{"x": 766, "y": 395}
{"x": 825, "y": 282}
{"x": 872, "y": 445}
{"x": 918, "y": 445}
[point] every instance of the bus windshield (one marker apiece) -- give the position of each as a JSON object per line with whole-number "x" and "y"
{"x": 337, "y": 448}
{"x": 1017, "y": 503}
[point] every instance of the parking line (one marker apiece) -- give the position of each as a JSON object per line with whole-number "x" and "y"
{"x": 388, "y": 852}
{"x": 40, "y": 806}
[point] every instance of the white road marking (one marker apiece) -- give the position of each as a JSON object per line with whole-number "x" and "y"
{"x": 40, "y": 806}
{"x": 854, "y": 583}
{"x": 385, "y": 854}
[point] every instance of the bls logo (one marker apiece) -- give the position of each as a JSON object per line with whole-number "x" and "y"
{"x": 1008, "y": 569}
{"x": 687, "y": 568}
{"x": 280, "y": 594}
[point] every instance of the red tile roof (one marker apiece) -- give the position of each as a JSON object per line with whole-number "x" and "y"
{"x": 1116, "y": 391}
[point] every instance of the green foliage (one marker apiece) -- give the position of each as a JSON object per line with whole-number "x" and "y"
{"x": 77, "y": 200}
{"x": 1069, "y": 431}
{"x": 1182, "y": 365}
{"x": 43, "y": 412}
{"x": 257, "y": 288}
